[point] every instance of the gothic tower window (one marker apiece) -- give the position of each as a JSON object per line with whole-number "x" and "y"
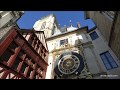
{"x": 43, "y": 25}
{"x": 53, "y": 30}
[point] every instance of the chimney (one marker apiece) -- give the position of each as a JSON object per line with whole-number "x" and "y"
{"x": 78, "y": 24}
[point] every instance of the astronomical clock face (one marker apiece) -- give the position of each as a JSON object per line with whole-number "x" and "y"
{"x": 69, "y": 63}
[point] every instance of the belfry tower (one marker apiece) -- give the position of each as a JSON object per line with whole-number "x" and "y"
{"x": 66, "y": 59}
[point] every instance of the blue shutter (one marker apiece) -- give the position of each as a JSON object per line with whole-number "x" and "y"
{"x": 108, "y": 61}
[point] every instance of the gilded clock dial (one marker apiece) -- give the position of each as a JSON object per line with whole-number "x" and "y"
{"x": 68, "y": 64}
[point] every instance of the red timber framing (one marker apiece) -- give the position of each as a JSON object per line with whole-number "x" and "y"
{"x": 22, "y": 57}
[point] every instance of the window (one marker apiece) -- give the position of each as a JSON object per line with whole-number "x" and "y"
{"x": 53, "y": 30}
{"x": 16, "y": 63}
{"x": 13, "y": 46}
{"x": 108, "y": 61}
{"x": 21, "y": 54}
{"x": 6, "y": 55}
{"x": 43, "y": 25}
{"x": 35, "y": 75}
{"x": 37, "y": 47}
{"x": 32, "y": 62}
{"x": 25, "y": 34}
{"x": 62, "y": 42}
{"x": 24, "y": 65}
{"x": 29, "y": 72}
{"x": 93, "y": 35}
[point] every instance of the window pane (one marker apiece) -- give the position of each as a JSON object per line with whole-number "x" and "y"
{"x": 43, "y": 25}
{"x": 53, "y": 30}
{"x": 35, "y": 75}
{"x": 93, "y": 35}
{"x": 29, "y": 72}
{"x": 30, "y": 41}
{"x": 114, "y": 65}
{"x": 62, "y": 42}
{"x": 23, "y": 67}
{"x": 104, "y": 59}
{"x": 16, "y": 63}
{"x": 111, "y": 59}
{"x": 66, "y": 40}
{"x": 6, "y": 55}
{"x": 13, "y": 45}
{"x": 108, "y": 66}
{"x": 108, "y": 60}
{"x": 21, "y": 53}
{"x": 107, "y": 54}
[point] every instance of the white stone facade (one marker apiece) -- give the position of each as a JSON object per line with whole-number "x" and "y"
{"x": 91, "y": 50}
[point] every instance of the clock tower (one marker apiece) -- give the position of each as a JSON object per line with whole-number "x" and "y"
{"x": 66, "y": 59}
{"x": 75, "y": 52}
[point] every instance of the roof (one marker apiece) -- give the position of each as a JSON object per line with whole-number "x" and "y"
{"x": 29, "y": 30}
{"x": 71, "y": 28}
{"x": 67, "y": 29}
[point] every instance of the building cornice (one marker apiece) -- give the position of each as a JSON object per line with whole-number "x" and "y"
{"x": 83, "y": 29}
